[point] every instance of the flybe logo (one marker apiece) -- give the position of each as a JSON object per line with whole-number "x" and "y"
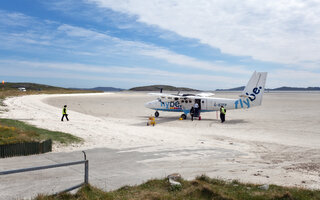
{"x": 255, "y": 91}
{"x": 251, "y": 97}
{"x": 171, "y": 105}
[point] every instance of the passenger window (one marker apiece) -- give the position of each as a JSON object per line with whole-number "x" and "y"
{"x": 190, "y": 101}
{"x": 202, "y": 101}
{"x": 182, "y": 101}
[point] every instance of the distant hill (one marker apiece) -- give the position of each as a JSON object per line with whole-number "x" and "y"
{"x": 42, "y": 88}
{"x": 295, "y": 89}
{"x": 31, "y": 86}
{"x": 103, "y": 89}
{"x": 157, "y": 88}
{"x": 276, "y": 89}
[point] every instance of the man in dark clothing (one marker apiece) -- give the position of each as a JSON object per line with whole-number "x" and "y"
{"x": 64, "y": 113}
{"x": 196, "y": 110}
{"x": 192, "y": 113}
{"x": 222, "y": 114}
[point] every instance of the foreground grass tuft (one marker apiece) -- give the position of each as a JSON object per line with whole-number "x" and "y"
{"x": 202, "y": 188}
{"x": 13, "y": 131}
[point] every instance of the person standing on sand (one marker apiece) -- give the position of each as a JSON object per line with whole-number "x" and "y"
{"x": 196, "y": 109}
{"x": 222, "y": 114}
{"x": 192, "y": 113}
{"x": 64, "y": 113}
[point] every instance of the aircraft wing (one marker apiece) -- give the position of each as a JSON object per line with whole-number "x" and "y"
{"x": 171, "y": 97}
{"x": 162, "y": 95}
{"x": 205, "y": 94}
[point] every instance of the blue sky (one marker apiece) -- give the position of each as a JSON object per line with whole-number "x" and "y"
{"x": 200, "y": 44}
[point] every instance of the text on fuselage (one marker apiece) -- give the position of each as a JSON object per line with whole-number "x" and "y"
{"x": 173, "y": 105}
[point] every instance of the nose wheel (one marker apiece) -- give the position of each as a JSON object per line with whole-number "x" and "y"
{"x": 183, "y": 116}
{"x": 156, "y": 114}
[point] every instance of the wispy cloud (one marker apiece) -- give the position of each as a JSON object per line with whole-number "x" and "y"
{"x": 110, "y": 72}
{"x": 294, "y": 78}
{"x": 90, "y": 42}
{"x": 278, "y": 31}
{"x": 203, "y": 44}
{"x": 190, "y": 62}
{"x": 15, "y": 19}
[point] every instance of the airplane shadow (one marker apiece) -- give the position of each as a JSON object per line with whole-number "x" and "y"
{"x": 166, "y": 119}
{"x": 159, "y": 120}
{"x": 234, "y": 121}
{"x": 231, "y": 121}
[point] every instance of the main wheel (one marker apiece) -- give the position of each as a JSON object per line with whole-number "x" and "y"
{"x": 183, "y": 116}
{"x": 156, "y": 114}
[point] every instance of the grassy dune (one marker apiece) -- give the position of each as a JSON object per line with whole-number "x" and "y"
{"x": 202, "y": 188}
{"x": 13, "y": 131}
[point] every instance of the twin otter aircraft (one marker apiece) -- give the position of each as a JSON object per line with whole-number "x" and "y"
{"x": 251, "y": 96}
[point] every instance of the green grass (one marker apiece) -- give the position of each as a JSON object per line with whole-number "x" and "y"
{"x": 13, "y": 131}
{"x": 202, "y": 188}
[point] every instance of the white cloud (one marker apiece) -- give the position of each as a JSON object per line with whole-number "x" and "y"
{"x": 284, "y": 31}
{"x": 190, "y": 62}
{"x": 293, "y": 78}
{"x": 90, "y": 42}
{"x": 117, "y": 73}
{"x": 15, "y": 19}
{"x": 74, "y": 31}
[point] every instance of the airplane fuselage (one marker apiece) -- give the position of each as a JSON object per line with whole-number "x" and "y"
{"x": 206, "y": 104}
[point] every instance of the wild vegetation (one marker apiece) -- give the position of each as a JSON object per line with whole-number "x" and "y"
{"x": 13, "y": 131}
{"x": 202, "y": 188}
{"x": 11, "y": 89}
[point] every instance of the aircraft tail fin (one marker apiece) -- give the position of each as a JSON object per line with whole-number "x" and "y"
{"x": 255, "y": 88}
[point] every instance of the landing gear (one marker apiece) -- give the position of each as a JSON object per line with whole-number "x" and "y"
{"x": 156, "y": 114}
{"x": 184, "y": 116}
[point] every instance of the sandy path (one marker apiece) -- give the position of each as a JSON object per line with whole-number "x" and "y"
{"x": 275, "y": 143}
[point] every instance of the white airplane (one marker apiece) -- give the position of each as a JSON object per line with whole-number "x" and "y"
{"x": 251, "y": 96}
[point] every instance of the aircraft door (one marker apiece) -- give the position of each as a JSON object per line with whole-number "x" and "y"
{"x": 199, "y": 102}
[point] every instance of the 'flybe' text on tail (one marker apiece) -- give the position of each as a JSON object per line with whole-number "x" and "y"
{"x": 253, "y": 92}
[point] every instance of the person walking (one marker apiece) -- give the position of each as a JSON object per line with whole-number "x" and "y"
{"x": 64, "y": 113}
{"x": 222, "y": 114}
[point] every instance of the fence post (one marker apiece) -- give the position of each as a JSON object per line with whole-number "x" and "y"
{"x": 86, "y": 169}
{"x": 86, "y": 172}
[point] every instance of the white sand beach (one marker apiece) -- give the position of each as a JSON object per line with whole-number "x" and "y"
{"x": 276, "y": 143}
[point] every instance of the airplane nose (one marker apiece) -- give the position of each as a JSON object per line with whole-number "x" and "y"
{"x": 148, "y": 105}
{"x": 151, "y": 104}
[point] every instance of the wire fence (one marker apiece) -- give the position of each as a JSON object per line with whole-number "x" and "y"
{"x": 25, "y": 148}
